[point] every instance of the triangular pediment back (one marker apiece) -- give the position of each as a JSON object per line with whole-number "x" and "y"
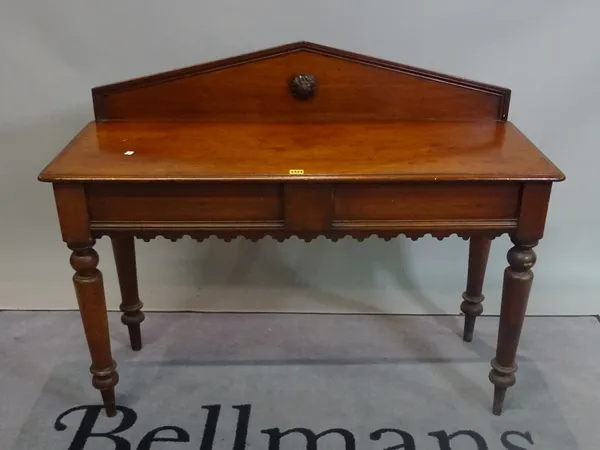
{"x": 300, "y": 82}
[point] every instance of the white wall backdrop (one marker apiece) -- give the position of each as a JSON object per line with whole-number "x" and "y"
{"x": 52, "y": 53}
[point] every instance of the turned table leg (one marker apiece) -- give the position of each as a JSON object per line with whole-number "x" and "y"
{"x": 92, "y": 306}
{"x": 479, "y": 250}
{"x": 518, "y": 278}
{"x": 124, "y": 251}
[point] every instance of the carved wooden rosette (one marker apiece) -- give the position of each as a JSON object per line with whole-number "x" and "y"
{"x": 303, "y": 86}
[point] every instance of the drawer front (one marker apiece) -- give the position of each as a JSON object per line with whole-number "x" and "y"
{"x": 426, "y": 202}
{"x": 184, "y": 202}
{"x": 304, "y": 207}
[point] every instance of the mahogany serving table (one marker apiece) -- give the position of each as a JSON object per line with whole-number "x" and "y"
{"x": 300, "y": 140}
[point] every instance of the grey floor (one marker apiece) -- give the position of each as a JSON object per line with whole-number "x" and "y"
{"x": 360, "y": 373}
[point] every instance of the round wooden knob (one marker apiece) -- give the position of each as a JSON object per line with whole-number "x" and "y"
{"x": 303, "y": 86}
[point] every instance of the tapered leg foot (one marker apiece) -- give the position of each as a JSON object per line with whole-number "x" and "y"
{"x": 499, "y": 394}
{"x": 469, "y": 328}
{"x": 131, "y": 306}
{"x": 92, "y": 307}
{"x": 479, "y": 250}
{"x": 518, "y": 278}
{"x": 135, "y": 336}
{"x": 105, "y": 380}
{"x": 110, "y": 405}
{"x": 502, "y": 378}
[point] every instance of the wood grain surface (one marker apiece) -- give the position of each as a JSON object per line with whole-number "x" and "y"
{"x": 224, "y": 149}
{"x": 256, "y": 87}
{"x": 332, "y": 151}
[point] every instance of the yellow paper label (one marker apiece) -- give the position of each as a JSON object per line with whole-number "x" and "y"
{"x": 296, "y": 172}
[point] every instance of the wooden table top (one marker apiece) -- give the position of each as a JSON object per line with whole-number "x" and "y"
{"x": 394, "y": 151}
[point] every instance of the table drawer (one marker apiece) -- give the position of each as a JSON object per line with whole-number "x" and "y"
{"x": 426, "y": 201}
{"x": 184, "y": 202}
